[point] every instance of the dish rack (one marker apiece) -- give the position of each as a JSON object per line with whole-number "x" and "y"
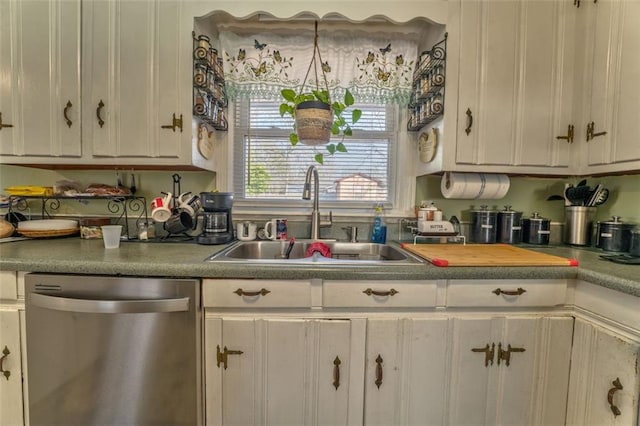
{"x": 123, "y": 207}
{"x": 444, "y": 236}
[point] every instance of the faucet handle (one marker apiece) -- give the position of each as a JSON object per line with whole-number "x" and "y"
{"x": 327, "y": 223}
{"x": 352, "y": 232}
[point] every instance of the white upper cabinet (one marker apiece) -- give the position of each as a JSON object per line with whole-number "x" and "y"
{"x": 611, "y": 40}
{"x": 39, "y": 80}
{"x": 515, "y": 87}
{"x": 137, "y": 82}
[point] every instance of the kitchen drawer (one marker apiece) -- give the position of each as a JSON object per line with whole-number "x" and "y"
{"x": 506, "y": 293}
{"x": 8, "y": 285}
{"x": 377, "y": 294}
{"x": 256, "y": 293}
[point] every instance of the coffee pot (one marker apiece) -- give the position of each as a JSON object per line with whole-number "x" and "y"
{"x": 217, "y": 224}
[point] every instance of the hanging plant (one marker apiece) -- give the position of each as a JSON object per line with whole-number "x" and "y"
{"x": 316, "y": 117}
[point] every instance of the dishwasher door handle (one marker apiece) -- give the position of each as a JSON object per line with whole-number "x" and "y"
{"x": 139, "y": 306}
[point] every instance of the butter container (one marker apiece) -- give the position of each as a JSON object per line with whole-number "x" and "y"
{"x": 90, "y": 227}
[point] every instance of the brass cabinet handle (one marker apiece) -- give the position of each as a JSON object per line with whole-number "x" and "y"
{"x": 5, "y": 353}
{"x": 98, "y": 111}
{"x": 518, "y": 292}
{"x": 489, "y": 352}
{"x": 176, "y": 122}
{"x": 391, "y": 292}
{"x": 591, "y": 133}
{"x": 379, "y": 362}
{"x": 469, "y": 121}
{"x": 616, "y": 387}
{"x": 506, "y": 355}
{"x": 4, "y": 125}
{"x": 569, "y": 137}
{"x": 222, "y": 356}
{"x": 66, "y": 110}
{"x": 336, "y": 372}
{"x": 261, "y": 292}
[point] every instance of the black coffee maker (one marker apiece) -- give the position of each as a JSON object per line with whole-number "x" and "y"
{"x": 217, "y": 226}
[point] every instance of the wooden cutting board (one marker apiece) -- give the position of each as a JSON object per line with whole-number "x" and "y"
{"x": 484, "y": 255}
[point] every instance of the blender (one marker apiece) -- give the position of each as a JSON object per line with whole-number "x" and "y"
{"x": 217, "y": 226}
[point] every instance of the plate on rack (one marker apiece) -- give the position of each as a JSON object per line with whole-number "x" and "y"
{"x": 48, "y": 233}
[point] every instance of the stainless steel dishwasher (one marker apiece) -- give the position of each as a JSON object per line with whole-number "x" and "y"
{"x": 113, "y": 351}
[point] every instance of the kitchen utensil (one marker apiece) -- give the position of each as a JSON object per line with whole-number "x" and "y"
{"x": 577, "y": 194}
{"x": 614, "y": 235}
{"x": 590, "y": 200}
{"x": 555, "y": 198}
{"x": 483, "y": 225}
{"x": 133, "y": 188}
{"x": 536, "y": 230}
{"x": 510, "y": 226}
{"x": 292, "y": 241}
{"x": 578, "y": 225}
{"x": 601, "y": 197}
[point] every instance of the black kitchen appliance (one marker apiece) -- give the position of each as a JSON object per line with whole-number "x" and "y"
{"x": 217, "y": 225}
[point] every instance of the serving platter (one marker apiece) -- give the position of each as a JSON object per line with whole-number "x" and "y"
{"x": 48, "y": 233}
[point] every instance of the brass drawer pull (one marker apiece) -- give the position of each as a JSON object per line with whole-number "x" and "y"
{"x": 176, "y": 122}
{"x": 66, "y": 110}
{"x": 569, "y": 137}
{"x": 616, "y": 387}
{"x": 4, "y": 125}
{"x": 379, "y": 361}
{"x": 98, "y": 111}
{"x": 336, "y": 372}
{"x": 469, "y": 121}
{"x": 518, "y": 292}
{"x": 222, "y": 356}
{"x": 391, "y": 292}
{"x": 489, "y": 352}
{"x": 5, "y": 353}
{"x": 506, "y": 355}
{"x": 261, "y": 292}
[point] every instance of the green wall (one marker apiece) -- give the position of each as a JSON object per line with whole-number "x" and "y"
{"x": 149, "y": 184}
{"x": 529, "y": 194}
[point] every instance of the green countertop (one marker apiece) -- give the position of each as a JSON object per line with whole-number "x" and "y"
{"x": 77, "y": 256}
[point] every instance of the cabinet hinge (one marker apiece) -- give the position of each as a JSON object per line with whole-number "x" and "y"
{"x": 222, "y": 356}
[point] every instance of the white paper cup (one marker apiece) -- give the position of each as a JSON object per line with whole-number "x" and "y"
{"x": 111, "y": 235}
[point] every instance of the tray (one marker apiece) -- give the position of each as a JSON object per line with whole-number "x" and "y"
{"x": 484, "y": 255}
{"x": 43, "y": 233}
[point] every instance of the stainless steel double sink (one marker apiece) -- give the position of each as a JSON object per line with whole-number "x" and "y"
{"x": 346, "y": 253}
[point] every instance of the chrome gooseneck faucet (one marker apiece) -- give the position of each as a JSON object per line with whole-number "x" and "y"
{"x": 306, "y": 195}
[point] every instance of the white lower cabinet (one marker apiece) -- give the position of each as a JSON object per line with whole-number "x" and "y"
{"x": 605, "y": 377}
{"x": 283, "y": 371}
{"x": 11, "y": 402}
{"x": 406, "y": 371}
{"x": 509, "y": 370}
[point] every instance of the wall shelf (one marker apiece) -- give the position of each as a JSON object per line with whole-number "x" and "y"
{"x": 209, "y": 93}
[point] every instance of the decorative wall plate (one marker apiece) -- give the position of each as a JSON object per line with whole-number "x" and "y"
{"x": 427, "y": 146}
{"x": 205, "y": 141}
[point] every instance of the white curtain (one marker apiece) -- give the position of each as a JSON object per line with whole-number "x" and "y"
{"x": 376, "y": 68}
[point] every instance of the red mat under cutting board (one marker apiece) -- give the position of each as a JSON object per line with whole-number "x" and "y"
{"x": 484, "y": 255}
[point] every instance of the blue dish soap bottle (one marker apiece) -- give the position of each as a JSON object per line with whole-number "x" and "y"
{"x": 379, "y": 233}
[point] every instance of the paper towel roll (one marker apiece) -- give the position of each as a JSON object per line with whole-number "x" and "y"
{"x": 474, "y": 185}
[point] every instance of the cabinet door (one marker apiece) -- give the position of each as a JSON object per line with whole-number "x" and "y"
{"x": 604, "y": 374}
{"x": 510, "y": 370}
{"x": 283, "y": 371}
{"x": 40, "y": 75}
{"x": 515, "y": 84}
{"x": 614, "y": 96}
{"x": 133, "y": 51}
{"x": 406, "y": 370}
{"x": 11, "y": 407}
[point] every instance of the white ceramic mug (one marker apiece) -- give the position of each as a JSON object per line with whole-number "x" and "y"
{"x": 189, "y": 203}
{"x": 246, "y": 231}
{"x": 276, "y": 229}
{"x": 161, "y": 208}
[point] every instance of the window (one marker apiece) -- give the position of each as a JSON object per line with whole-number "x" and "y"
{"x": 268, "y": 170}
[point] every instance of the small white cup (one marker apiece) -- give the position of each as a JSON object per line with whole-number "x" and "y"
{"x": 111, "y": 236}
{"x": 246, "y": 231}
